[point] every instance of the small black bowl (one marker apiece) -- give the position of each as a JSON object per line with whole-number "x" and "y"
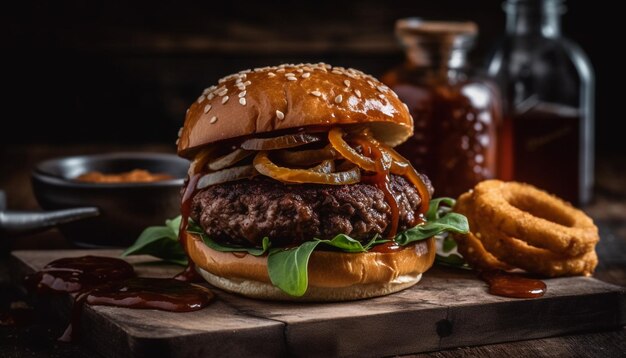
{"x": 125, "y": 208}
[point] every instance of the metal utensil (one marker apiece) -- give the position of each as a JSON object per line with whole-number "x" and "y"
{"x": 15, "y": 223}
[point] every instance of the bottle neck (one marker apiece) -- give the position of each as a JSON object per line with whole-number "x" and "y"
{"x": 437, "y": 56}
{"x": 534, "y": 17}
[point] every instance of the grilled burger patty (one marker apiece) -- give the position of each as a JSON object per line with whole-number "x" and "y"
{"x": 246, "y": 211}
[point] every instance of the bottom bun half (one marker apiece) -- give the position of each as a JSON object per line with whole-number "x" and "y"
{"x": 333, "y": 276}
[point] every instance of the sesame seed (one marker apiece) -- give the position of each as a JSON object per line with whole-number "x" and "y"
{"x": 338, "y": 99}
{"x": 241, "y": 86}
{"x": 207, "y": 108}
{"x": 316, "y": 93}
{"x": 289, "y": 74}
{"x": 239, "y": 80}
{"x": 299, "y": 70}
{"x": 290, "y": 78}
{"x": 271, "y": 74}
{"x": 405, "y": 106}
{"x": 347, "y": 83}
{"x": 337, "y": 72}
{"x": 213, "y": 119}
{"x": 306, "y": 75}
{"x": 180, "y": 131}
{"x": 357, "y": 92}
{"x": 210, "y": 96}
{"x": 242, "y": 101}
{"x": 394, "y": 94}
{"x": 381, "y": 89}
{"x": 221, "y": 80}
{"x": 222, "y": 92}
{"x": 225, "y": 99}
{"x": 381, "y": 96}
{"x": 247, "y": 83}
{"x": 242, "y": 94}
{"x": 245, "y": 71}
{"x": 177, "y": 140}
{"x": 200, "y": 99}
{"x": 280, "y": 70}
{"x": 371, "y": 83}
{"x": 280, "y": 115}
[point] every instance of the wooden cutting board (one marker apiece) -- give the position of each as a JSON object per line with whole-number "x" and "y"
{"x": 448, "y": 308}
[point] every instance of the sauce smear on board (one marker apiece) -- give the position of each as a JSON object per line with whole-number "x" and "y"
{"x": 513, "y": 285}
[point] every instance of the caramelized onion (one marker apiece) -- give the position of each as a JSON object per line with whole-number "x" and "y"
{"x": 230, "y": 159}
{"x": 305, "y": 157}
{"x": 327, "y": 166}
{"x": 200, "y": 160}
{"x": 265, "y": 166}
{"x": 285, "y": 141}
{"x": 226, "y": 175}
{"x": 335, "y": 136}
{"x": 401, "y": 166}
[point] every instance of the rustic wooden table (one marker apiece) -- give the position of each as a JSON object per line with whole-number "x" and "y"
{"x": 34, "y": 335}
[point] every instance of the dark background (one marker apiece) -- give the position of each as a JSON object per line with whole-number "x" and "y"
{"x": 124, "y": 72}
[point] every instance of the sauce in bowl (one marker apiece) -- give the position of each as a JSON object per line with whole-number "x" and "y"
{"x": 133, "y": 176}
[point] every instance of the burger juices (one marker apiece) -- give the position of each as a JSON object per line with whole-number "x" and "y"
{"x": 295, "y": 191}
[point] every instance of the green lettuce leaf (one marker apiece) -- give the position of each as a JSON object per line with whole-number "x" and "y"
{"x": 161, "y": 242}
{"x": 288, "y": 268}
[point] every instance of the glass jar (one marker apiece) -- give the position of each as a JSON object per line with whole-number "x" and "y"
{"x": 547, "y": 83}
{"x": 456, "y": 113}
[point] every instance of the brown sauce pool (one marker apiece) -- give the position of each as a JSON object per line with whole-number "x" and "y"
{"x": 108, "y": 281}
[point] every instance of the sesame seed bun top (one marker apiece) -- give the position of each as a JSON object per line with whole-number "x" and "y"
{"x": 293, "y": 96}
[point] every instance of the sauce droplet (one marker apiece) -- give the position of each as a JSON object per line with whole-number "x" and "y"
{"x": 513, "y": 285}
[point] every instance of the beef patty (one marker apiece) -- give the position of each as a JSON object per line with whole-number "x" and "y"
{"x": 246, "y": 211}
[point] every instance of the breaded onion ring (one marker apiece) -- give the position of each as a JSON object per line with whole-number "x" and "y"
{"x": 489, "y": 246}
{"x": 536, "y": 217}
{"x": 470, "y": 246}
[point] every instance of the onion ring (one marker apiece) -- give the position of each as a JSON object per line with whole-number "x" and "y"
{"x": 470, "y": 247}
{"x": 518, "y": 253}
{"x": 490, "y": 244}
{"x": 285, "y": 141}
{"x": 542, "y": 220}
{"x": 265, "y": 166}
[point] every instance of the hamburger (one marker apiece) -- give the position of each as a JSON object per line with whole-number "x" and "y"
{"x": 294, "y": 189}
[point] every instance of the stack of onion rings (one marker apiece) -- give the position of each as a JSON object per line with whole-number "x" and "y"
{"x": 515, "y": 225}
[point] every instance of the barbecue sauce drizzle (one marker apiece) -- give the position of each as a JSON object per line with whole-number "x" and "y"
{"x": 381, "y": 180}
{"x": 189, "y": 274}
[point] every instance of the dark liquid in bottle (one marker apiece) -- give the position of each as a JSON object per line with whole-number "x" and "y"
{"x": 545, "y": 149}
{"x": 454, "y": 140}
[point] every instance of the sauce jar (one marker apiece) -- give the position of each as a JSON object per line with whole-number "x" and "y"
{"x": 456, "y": 113}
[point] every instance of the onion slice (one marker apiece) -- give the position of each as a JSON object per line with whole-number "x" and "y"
{"x": 335, "y": 137}
{"x": 265, "y": 166}
{"x": 327, "y": 166}
{"x": 226, "y": 175}
{"x": 401, "y": 166}
{"x": 230, "y": 159}
{"x": 285, "y": 141}
{"x": 200, "y": 160}
{"x": 305, "y": 157}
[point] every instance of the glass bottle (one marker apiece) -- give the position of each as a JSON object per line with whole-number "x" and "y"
{"x": 547, "y": 82}
{"x": 456, "y": 113}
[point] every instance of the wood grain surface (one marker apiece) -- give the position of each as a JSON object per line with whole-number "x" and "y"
{"x": 449, "y": 308}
